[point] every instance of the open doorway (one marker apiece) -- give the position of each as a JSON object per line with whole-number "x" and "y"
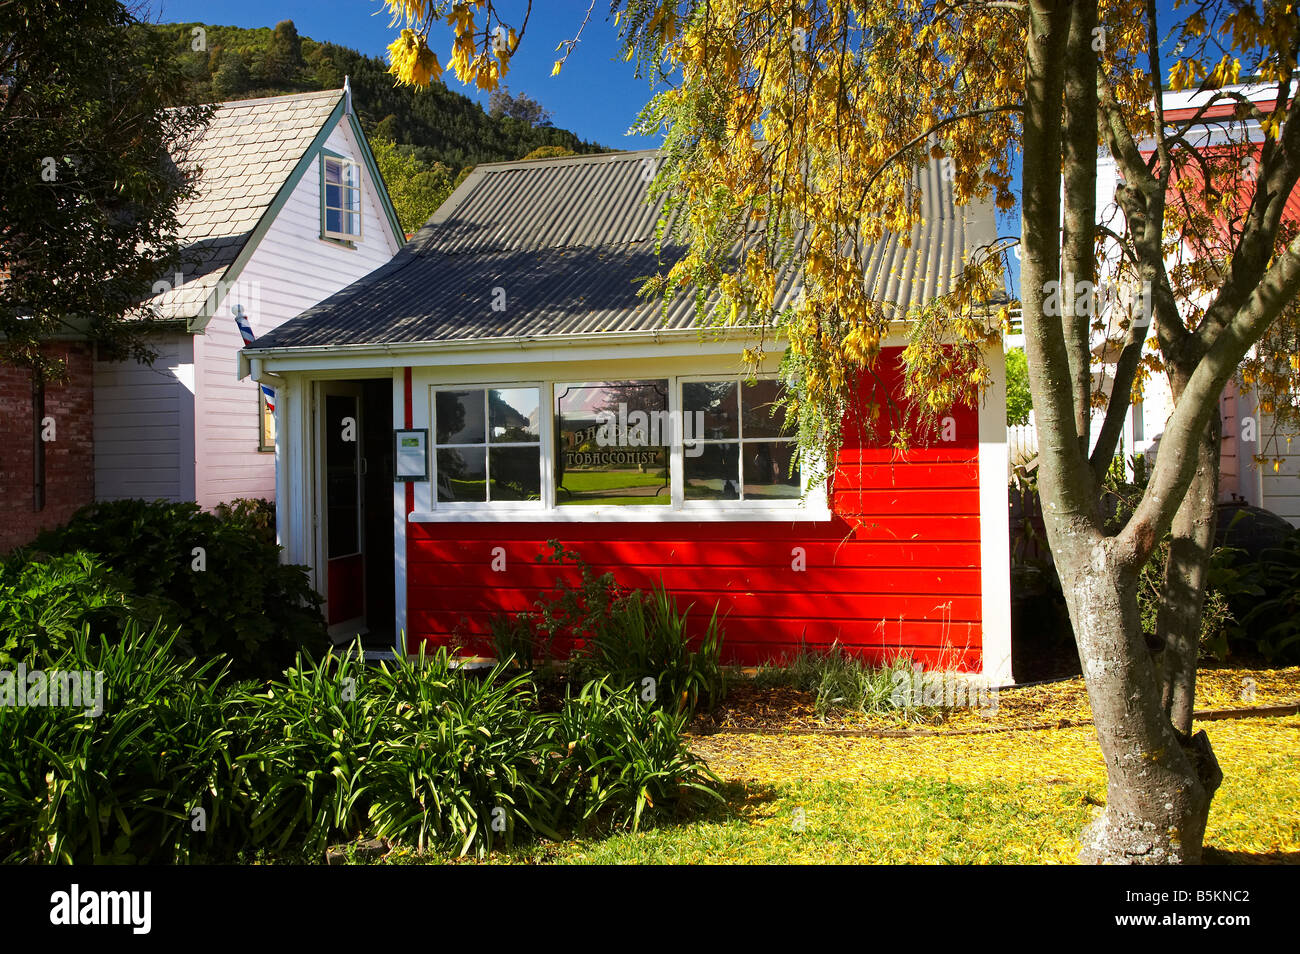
{"x": 354, "y": 422}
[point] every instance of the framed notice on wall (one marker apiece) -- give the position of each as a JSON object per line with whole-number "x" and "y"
{"x": 411, "y": 454}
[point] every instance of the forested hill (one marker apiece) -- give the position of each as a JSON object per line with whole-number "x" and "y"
{"x": 439, "y": 124}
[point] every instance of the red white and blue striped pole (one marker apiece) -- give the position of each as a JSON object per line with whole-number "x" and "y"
{"x": 246, "y": 332}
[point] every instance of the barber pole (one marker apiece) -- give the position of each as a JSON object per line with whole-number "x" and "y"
{"x": 246, "y": 332}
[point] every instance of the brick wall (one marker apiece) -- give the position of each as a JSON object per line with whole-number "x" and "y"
{"x": 69, "y": 457}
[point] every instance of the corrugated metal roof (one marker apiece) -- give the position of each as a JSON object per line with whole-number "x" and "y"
{"x": 244, "y": 156}
{"x": 568, "y": 241}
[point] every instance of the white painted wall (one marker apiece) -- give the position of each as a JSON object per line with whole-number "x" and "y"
{"x": 1240, "y": 477}
{"x": 144, "y": 424}
{"x": 292, "y": 269}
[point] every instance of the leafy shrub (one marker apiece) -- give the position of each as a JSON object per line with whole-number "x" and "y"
{"x": 254, "y": 514}
{"x": 515, "y": 639}
{"x": 1216, "y": 612}
{"x": 305, "y": 743}
{"x": 130, "y": 784}
{"x": 218, "y": 578}
{"x": 45, "y": 602}
{"x": 623, "y": 758}
{"x": 645, "y": 637}
{"x": 563, "y": 618}
{"x": 461, "y": 764}
{"x": 418, "y": 753}
{"x": 1264, "y": 596}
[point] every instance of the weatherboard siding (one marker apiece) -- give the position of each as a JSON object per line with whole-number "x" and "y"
{"x": 143, "y": 424}
{"x": 291, "y": 270}
{"x": 896, "y": 569}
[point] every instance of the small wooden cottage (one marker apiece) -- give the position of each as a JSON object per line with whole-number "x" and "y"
{"x": 500, "y": 384}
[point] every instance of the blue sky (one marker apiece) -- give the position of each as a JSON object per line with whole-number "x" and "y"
{"x": 597, "y": 96}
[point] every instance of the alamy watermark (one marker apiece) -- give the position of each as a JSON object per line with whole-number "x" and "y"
{"x": 55, "y": 688}
{"x": 947, "y": 690}
{"x": 624, "y": 428}
{"x": 1091, "y": 299}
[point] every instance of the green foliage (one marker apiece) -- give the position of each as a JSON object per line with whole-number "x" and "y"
{"x": 128, "y": 785}
{"x": 1264, "y": 597}
{"x": 416, "y": 187}
{"x": 1019, "y": 402}
{"x": 1121, "y": 498}
{"x": 564, "y": 617}
{"x": 840, "y": 681}
{"x": 218, "y": 577}
{"x": 623, "y": 757}
{"x": 549, "y": 152}
{"x": 626, "y": 635}
{"x": 304, "y": 743}
{"x": 462, "y": 764}
{"x": 181, "y": 765}
{"x": 439, "y": 126}
{"x": 46, "y": 602}
{"x": 90, "y": 213}
{"x": 645, "y": 638}
{"x": 521, "y": 108}
{"x": 232, "y": 76}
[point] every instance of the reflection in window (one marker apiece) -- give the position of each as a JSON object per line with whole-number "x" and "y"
{"x": 487, "y": 443}
{"x": 745, "y": 451}
{"x": 341, "y": 202}
{"x": 612, "y": 443}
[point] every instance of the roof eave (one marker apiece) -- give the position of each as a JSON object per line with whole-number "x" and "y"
{"x": 514, "y": 342}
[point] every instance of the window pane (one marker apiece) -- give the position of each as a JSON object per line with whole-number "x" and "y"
{"x": 613, "y": 443}
{"x": 759, "y": 401}
{"x": 268, "y": 421}
{"x": 353, "y": 223}
{"x": 458, "y": 417}
{"x": 333, "y": 171}
{"x": 516, "y": 473}
{"x": 353, "y": 197}
{"x": 462, "y": 475}
{"x": 768, "y": 471}
{"x": 714, "y": 473}
{"x": 515, "y": 415}
{"x": 713, "y": 405}
{"x": 333, "y": 220}
{"x": 352, "y": 174}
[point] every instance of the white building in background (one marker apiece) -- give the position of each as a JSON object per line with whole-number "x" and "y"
{"x": 1247, "y": 433}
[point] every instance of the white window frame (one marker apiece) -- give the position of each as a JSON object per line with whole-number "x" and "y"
{"x": 481, "y": 506}
{"x": 812, "y": 505}
{"x": 674, "y": 447}
{"x": 706, "y": 506}
{"x": 325, "y": 208}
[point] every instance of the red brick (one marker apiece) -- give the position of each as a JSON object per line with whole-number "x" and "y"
{"x": 69, "y": 459}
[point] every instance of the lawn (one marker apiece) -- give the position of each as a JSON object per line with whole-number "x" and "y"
{"x": 1018, "y": 796}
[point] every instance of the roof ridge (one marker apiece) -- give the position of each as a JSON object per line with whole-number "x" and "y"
{"x": 588, "y": 157}
{"x": 260, "y": 100}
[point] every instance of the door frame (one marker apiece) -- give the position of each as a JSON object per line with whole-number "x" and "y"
{"x": 322, "y": 389}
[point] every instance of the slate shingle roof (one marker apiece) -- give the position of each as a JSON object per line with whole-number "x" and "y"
{"x": 245, "y": 155}
{"x": 568, "y": 240}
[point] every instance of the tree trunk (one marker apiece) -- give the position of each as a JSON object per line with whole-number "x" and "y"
{"x": 1159, "y": 784}
{"x": 1179, "y": 622}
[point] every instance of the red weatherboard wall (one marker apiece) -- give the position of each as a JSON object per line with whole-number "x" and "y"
{"x": 69, "y": 458}
{"x": 896, "y": 569}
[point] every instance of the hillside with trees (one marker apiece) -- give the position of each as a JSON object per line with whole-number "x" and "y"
{"x": 440, "y": 131}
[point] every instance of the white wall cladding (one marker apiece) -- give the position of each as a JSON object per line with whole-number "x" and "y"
{"x": 292, "y": 269}
{"x": 144, "y": 424}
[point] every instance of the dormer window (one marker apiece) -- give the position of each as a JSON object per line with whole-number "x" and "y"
{"x": 340, "y": 198}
